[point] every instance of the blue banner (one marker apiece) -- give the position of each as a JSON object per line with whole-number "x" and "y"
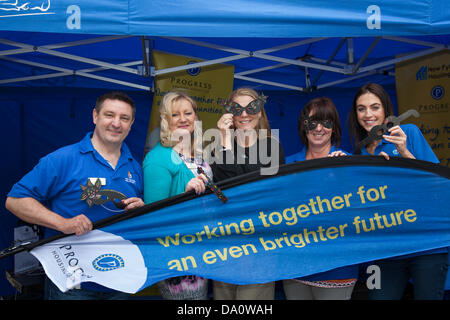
{"x": 312, "y": 217}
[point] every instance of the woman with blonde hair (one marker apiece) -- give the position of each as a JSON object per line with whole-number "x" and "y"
{"x": 245, "y": 131}
{"x": 246, "y": 141}
{"x": 170, "y": 168}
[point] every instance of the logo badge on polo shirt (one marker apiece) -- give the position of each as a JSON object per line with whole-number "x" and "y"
{"x": 130, "y": 178}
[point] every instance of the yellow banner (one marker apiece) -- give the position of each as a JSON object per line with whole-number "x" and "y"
{"x": 423, "y": 84}
{"x": 209, "y": 86}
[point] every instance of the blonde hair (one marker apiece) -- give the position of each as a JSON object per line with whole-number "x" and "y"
{"x": 165, "y": 114}
{"x": 263, "y": 121}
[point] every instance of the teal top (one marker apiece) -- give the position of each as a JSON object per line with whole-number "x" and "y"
{"x": 165, "y": 174}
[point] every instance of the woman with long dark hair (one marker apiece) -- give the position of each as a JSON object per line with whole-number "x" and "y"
{"x": 428, "y": 269}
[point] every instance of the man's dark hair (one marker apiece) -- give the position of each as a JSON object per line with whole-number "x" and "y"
{"x": 115, "y": 95}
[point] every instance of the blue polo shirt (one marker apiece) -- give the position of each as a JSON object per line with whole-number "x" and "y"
{"x": 348, "y": 272}
{"x": 415, "y": 143}
{"x": 421, "y": 150}
{"x": 56, "y": 180}
{"x": 301, "y": 155}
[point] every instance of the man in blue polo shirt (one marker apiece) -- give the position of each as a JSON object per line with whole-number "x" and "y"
{"x": 84, "y": 182}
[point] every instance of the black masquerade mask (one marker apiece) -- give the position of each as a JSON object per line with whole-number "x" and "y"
{"x": 312, "y": 124}
{"x": 252, "y": 108}
{"x": 93, "y": 195}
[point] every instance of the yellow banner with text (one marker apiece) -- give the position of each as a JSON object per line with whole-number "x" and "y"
{"x": 423, "y": 84}
{"x": 209, "y": 86}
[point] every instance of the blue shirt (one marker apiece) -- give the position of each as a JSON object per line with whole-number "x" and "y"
{"x": 415, "y": 143}
{"x": 420, "y": 149}
{"x": 348, "y": 272}
{"x": 301, "y": 155}
{"x": 57, "y": 179}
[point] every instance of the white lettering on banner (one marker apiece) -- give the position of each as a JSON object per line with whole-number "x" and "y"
{"x": 374, "y": 20}
{"x": 77, "y": 259}
{"x": 74, "y": 20}
{"x": 19, "y": 8}
{"x": 258, "y": 154}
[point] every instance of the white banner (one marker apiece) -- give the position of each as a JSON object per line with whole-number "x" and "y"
{"x": 76, "y": 259}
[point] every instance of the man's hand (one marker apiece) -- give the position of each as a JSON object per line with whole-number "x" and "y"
{"x": 132, "y": 203}
{"x": 79, "y": 225}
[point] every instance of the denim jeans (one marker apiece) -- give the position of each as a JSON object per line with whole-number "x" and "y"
{"x": 427, "y": 272}
{"x": 51, "y": 292}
